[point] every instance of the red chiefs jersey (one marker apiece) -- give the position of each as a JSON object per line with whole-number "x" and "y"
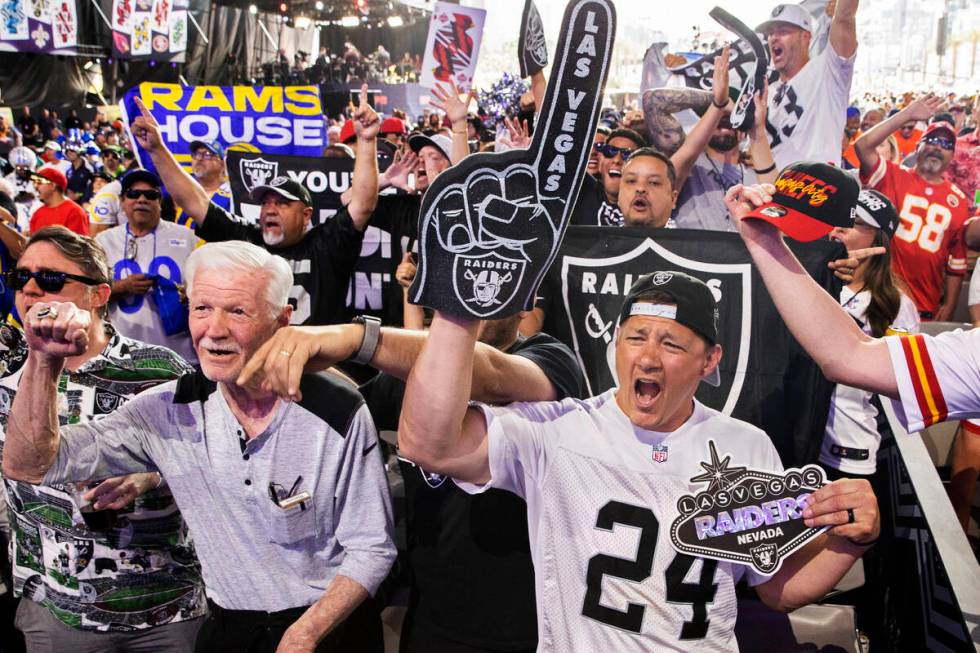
{"x": 930, "y": 239}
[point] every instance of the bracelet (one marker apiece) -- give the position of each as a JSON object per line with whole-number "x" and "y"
{"x": 767, "y": 170}
{"x": 718, "y": 106}
{"x": 372, "y": 335}
{"x": 856, "y": 543}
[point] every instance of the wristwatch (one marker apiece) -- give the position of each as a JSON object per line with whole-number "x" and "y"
{"x": 372, "y": 334}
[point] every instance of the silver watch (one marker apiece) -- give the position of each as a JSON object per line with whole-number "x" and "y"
{"x": 372, "y": 334}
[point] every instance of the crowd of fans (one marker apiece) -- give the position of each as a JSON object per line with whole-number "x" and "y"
{"x": 81, "y": 222}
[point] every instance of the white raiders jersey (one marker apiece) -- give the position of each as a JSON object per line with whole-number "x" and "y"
{"x": 807, "y": 114}
{"x": 600, "y": 509}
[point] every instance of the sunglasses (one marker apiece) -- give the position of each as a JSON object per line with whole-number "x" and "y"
{"x": 610, "y": 152}
{"x": 136, "y": 193}
{"x": 940, "y": 141}
{"x": 47, "y": 280}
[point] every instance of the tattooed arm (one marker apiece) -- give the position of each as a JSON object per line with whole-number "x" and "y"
{"x": 659, "y": 107}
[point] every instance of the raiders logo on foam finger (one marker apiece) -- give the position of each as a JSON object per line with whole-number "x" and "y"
{"x": 532, "y": 48}
{"x": 491, "y": 225}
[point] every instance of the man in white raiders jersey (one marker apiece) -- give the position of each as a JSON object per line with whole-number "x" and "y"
{"x": 602, "y": 478}
{"x": 933, "y": 379}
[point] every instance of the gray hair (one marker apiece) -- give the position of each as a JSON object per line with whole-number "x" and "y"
{"x": 240, "y": 256}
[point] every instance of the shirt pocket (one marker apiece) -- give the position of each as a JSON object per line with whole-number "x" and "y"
{"x": 292, "y": 526}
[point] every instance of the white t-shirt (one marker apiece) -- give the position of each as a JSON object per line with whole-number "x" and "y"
{"x": 104, "y": 209}
{"x": 599, "y": 515}
{"x": 851, "y": 437}
{"x": 163, "y": 251}
{"x": 938, "y": 377}
{"x": 807, "y": 114}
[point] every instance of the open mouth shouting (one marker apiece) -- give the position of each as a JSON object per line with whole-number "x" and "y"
{"x": 640, "y": 204}
{"x": 645, "y": 392}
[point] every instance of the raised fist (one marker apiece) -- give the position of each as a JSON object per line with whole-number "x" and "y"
{"x": 57, "y": 330}
{"x": 491, "y": 225}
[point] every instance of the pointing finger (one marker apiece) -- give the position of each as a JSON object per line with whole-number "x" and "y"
{"x": 570, "y": 110}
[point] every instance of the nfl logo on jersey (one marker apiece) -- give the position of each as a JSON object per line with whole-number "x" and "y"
{"x": 659, "y": 453}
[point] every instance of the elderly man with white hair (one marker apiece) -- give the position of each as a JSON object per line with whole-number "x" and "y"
{"x": 286, "y": 501}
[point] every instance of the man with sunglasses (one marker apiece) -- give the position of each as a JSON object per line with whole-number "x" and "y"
{"x": 56, "y": 209}
{"x": 74, "y": 581}
{"x": 929, "y": 243}
{"x": 144, "y": 252}
{"x": 112, "y": 160}
{"x": 597, "y": 200}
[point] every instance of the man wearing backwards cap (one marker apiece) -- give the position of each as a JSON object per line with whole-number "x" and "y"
{"x": 56, "y": 209}
{"x": 932, "y": 378}
{"x": 585, "y": 467}
{"x": 322, "y": 256}
{"x": 807, "y": 105}
{"x": 929, "y": 243}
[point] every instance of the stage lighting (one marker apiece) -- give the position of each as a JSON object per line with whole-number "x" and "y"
{"x": 319, "y": 5}
{"x": 395, "y": 21}
{"x": 252, "y": 9}
{"x": 303, "y": 22}
{"x": 361, "y": 5}
{"x": 283, "y": 7}
{"x": 350, "y": 21}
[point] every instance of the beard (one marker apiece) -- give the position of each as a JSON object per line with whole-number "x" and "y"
{"x": 931, "y": 165}
{"x": 272, "y": 239}
{"x": 723, "y": 142}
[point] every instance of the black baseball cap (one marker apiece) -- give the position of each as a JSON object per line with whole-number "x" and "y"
{"x": 139, "y": 174}
{"x": 876, "y": 210}
{"x": 694, "y": 307}
{"x": 284, "y": 187}
{"x": 810, "y": 200}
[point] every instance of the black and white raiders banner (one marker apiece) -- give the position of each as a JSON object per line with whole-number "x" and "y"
{"x": 532, "y": 48}
{"x": 491, "y": 225}
{"x": 766, "y": 378}
{"x": 748, "y": 62}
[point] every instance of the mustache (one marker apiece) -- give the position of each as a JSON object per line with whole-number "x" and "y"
{"x": 209, "y": 343}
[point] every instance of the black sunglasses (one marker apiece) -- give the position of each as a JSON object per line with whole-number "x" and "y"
{"x": 610, "y": 152}
{"x": 47, "y": 280}
{"x": 135, "y": 193}
{"x": 940, "y": 141}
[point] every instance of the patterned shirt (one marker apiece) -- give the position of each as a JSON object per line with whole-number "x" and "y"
{"x": 141, "y": 573}
{"x": 964, "y": 171}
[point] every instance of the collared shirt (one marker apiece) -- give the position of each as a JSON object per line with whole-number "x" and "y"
{"x": 964, "y": 170}
{"x": 254, "y": 554}
{"x": 142, "y": 572}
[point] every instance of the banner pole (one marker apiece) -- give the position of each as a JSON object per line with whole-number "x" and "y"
{"x": 196, "y": 26}
{"x": 272, "y": 41}
{"x": 95, "y": 3}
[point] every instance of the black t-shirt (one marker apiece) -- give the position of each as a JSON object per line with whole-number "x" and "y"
{"x": 322, "y": 261}
{"x": 592, "y": 209}
{"x": 469, "y": 555}
{"x": 375, "y": 290}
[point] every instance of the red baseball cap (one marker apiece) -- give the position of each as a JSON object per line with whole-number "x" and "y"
{"x": 55, "y": 176}
{"x": 810, "y": 200}
{"x": 393, "y": 125}
{"x": 940, "y": 126}
{"x": 347, "y": 132}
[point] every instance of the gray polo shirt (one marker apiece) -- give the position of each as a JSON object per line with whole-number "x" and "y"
{"x": 254, "y": 555}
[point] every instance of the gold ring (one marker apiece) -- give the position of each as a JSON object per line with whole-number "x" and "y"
{"x": 47, "y": 311}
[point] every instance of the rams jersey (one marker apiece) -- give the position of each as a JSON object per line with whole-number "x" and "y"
{"x": 221, "y": 197}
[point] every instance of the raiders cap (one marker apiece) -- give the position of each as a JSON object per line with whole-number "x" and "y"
{"x": 284, "y": 187}
{"x": 810, "y": 200}
{"x": 694, "y": 306}
{"x": 792, "y": 14}
{"x": 876, "y": 210}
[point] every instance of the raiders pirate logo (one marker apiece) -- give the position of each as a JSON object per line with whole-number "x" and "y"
{"x": 661, "y": 278}
{"x": 532, "y": 49}
{"x": 594, "y": 281}
{"x": 485, "y": 282}
{"x": 106, "y": 402}
{"x": 257, "y": 172}
{"x": 746, "y": 516}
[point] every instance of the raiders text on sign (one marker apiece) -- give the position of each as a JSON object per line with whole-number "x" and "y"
{"x": 487, "y": 264}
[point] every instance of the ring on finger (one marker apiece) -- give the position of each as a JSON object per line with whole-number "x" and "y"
{"x": 284, "y": 352}
{"x": 850, "y": 516}
{"x": 47, "y": 311}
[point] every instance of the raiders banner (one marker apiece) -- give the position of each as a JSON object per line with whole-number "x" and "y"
{"x": 766, "y": 378}
{"x": 532, "y": 48}
{"x": 491, "y": 225}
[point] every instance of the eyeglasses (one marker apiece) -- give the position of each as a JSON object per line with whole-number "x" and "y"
{"x": 136, "y": 193}
{"x": 940, "y": 141}
{"x": 204, "y": 155}
{"x": 608, "y": 151}
{"x": 47, "y": 280}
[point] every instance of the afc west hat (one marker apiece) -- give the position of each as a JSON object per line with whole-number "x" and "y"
{"x": 876, "y": 210}
{"x": 284, "y": 187}
{"x": 136, "y": 175}
{"x": 810, "y": 199}
{"x": 439, "y": 141}
{"x": 694, "y": 307}
{"x": 214, "y": 147}
{"x": 942, "y": 129}
{"x": 787, "y": 13}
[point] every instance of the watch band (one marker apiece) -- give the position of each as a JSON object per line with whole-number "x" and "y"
{"x": 372, "y": 335}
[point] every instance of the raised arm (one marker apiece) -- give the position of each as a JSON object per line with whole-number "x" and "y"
{"x": 364, "y": 184}
{"x": 186, "y": 192}
{"x": 760, "y": 151}
{"x": 692, "y": 147}
{"x": 843, "y": 28}
{"x": 866, "y": 145}
{"x": 827, "y": 333}
{"x": 33, "y": 434}
{"x": 456, "y": 107}
{"x": 659, "y": 105}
